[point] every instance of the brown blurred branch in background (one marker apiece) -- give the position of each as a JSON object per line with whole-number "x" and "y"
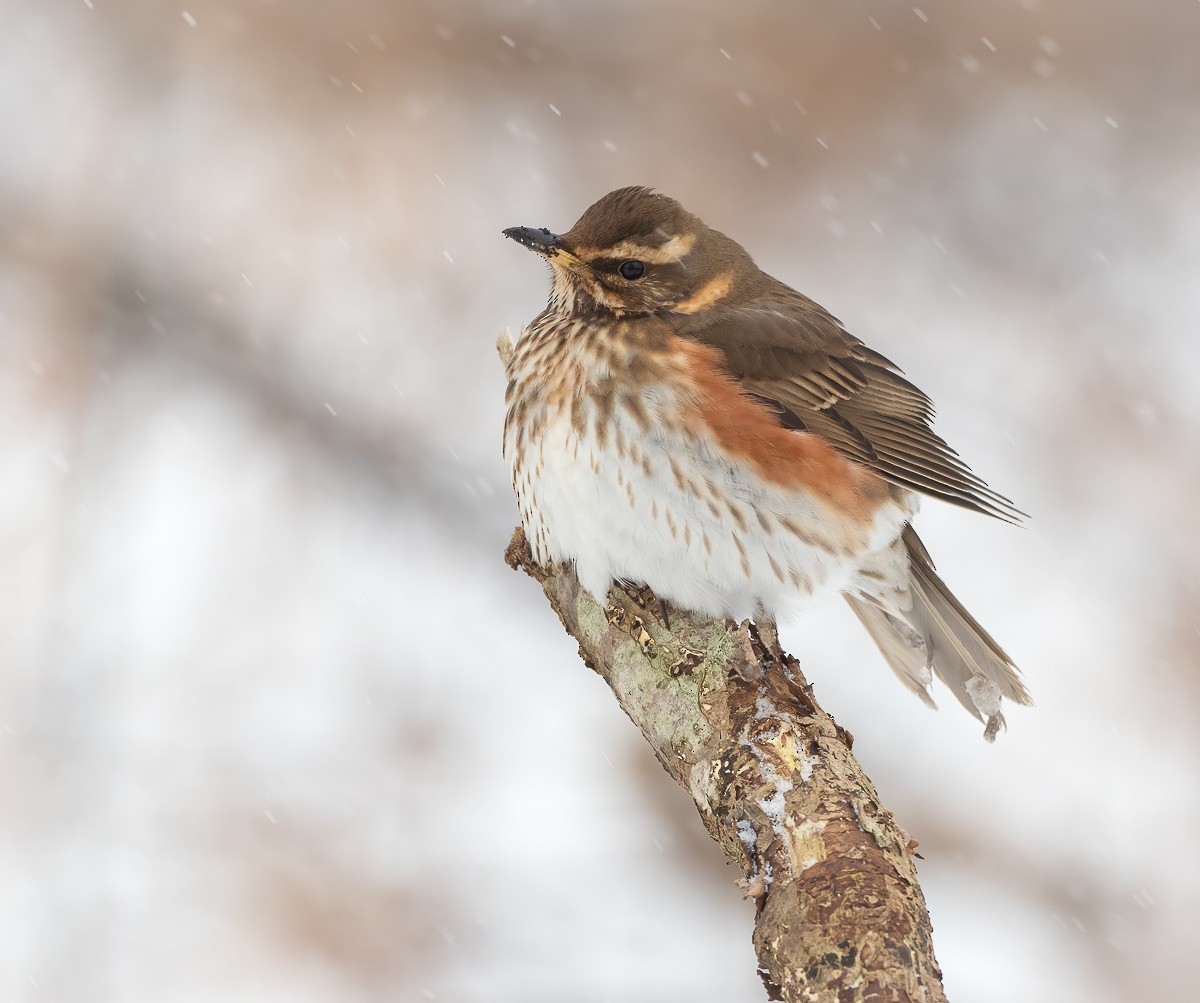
{"x": 839, "y": 913}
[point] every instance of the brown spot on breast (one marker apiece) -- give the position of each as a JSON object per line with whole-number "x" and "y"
{"x": 680, "y": 481}
{"x": 602, "y": 397}
{"x": 632, "y": 403}
{"x": 737, "y": 542}
{"x": 619, "y": 444}
{"x": 600, "y": 431}
{"x": 800, "y": 533}
{"x": 578, "y": 419}
{"x": 749, "y": 431}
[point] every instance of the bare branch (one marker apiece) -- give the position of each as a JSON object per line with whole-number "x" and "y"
{"x": 840, "y": 915}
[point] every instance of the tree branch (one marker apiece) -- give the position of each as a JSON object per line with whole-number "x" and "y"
{"x": 840, "y": 915}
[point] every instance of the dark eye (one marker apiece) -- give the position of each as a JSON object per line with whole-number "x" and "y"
{"x": 631, "y": 270}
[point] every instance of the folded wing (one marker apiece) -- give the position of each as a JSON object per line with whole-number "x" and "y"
{"x": 794, "y": 356}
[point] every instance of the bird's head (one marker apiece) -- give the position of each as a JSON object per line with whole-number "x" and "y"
{"x": 636, "y": 251}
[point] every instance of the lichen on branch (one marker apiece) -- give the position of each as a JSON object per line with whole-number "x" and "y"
{"x": 839, "y": 913}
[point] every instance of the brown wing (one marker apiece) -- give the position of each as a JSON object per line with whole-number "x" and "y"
{"x": 796, "y": 357}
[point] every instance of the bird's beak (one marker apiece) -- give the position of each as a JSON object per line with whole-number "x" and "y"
{"x": 545, "y": 243}
{"x": 540, "y": 240}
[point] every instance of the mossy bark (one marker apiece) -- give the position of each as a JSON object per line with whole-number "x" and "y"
{"x": 839, "y": 913}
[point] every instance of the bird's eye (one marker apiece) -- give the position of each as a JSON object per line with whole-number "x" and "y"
{"x": 631, "y": 270}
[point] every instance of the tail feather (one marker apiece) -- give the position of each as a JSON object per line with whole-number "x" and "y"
{"x": 935, "y": 632}
{"x": 903, "y": 647}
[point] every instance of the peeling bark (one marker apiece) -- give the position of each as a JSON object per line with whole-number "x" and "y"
{"x": 840, "y": 915}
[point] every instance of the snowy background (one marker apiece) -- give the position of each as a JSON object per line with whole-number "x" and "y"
{"x": 277, "y": 723}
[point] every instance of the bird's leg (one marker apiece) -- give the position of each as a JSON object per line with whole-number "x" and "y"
{"x": 634, "y": 626}
{"x": 643, "y": 595}
{"x": 631, "y": 589}
{"x": 662, "y": 612}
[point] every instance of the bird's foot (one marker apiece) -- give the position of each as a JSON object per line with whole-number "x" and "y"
{"x": 645, "y": 598}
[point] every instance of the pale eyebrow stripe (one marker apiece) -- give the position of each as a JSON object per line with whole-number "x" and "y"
{"x": 665, "y": 254}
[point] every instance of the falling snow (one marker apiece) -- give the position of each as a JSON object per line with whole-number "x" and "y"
{"x": 253, "y": 507}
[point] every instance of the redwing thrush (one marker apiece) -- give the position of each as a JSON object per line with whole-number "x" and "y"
{"x": 679, "y": 418}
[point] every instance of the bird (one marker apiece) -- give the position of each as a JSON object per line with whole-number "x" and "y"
{"x": 678, "y": 418}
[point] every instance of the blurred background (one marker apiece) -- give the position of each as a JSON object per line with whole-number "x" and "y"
{"x": 277, "y": 723}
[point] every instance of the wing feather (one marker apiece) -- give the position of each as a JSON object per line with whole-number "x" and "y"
{"x": 795, "y": 356}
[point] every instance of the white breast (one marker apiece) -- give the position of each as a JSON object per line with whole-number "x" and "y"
{"x": 665, "y": 508}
